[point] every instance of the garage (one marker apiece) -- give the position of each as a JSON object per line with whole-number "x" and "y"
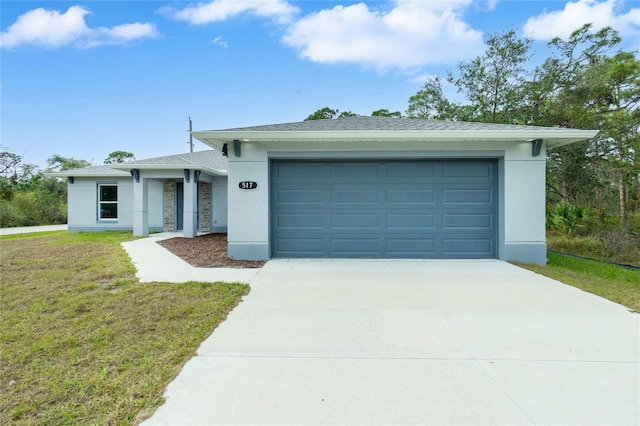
{"x": 384, "y": 208}
{"x": 384, "y": 187}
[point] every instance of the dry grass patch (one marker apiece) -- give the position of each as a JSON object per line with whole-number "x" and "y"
{"x": 82, "y": 341}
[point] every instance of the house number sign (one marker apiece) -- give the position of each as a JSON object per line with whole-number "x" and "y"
{"x": 248, "y": 184}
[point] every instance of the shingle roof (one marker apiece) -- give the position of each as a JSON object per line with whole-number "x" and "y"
{"x": 388, "y": 129}
{"x": 210, "y": 160}
{"x": 91, "y": 171}
{"x": 363, "y": 123}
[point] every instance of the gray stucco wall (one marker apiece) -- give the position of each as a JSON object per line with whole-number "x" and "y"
{"x": 219, "y": 204}
{"x": 83, "y": 205}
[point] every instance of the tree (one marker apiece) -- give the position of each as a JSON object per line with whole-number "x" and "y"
{"x": 322, "y": 114}
{"x": 9, "y": 164}
{"x": 327, "y": 113}
{"x": 119, "y": 157}
{"x": 16, "y": 176}
{"x": 345, "y": 114}
{"x": 619, "y": 115}
{"x": 586, "y": 82}
{"x": 27, "y": 197}
{"x": 430, "y": 103}
{"x": 58, "y": 163}
{"x": 492, "y": 82}
{"x": 589, "y": 83}
{"x": 386, "y": 113}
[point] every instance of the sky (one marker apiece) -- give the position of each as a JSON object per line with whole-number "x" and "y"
{"x": 84, "y": 79}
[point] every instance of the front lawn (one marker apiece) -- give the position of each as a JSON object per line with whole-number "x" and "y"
{"x": 82, "y": 341}
{"x": 612, "y": 282}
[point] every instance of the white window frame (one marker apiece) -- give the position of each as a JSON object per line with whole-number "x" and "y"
{"x": 100, "y": 202}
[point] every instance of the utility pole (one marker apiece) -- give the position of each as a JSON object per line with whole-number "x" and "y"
{"x": 190, "y": 137}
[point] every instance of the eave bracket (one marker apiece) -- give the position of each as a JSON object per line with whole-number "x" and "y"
{"x": 536, "y": 146}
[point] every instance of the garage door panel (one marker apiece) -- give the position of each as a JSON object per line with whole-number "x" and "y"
{"x": 413, "y": 222}
{"x": 467, "y": 170}
{"x": 294, "y": 247}
{"x": 378, "y": 209}
{"x": 299, "y": 196}
{"x": 355, "y": 220}
{"x": 355, "y": 196}
{"x": 467, "y": 221}
{"x": 300, "y": 221}
{"x": 467, "y": 196}
{"x": 355, "y": 171}
{"x": 480, "y": 247}
{"x": 401, "y": 171}
{"x": 293, "y": 170}
{"x": 355, "y": 246}
{"x": 410, "y": 196}
{"x": 422, "y": 247}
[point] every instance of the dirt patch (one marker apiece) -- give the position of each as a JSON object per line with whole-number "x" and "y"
{"x": 206, "y": 251}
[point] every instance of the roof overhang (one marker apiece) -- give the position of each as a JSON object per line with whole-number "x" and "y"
{"x": 165, "y": 167}
{"x": 76, "y": 173}
{"x": 553, "y": 137}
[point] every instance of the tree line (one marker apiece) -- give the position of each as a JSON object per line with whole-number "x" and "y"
{"x": 28, "y": 197}
{"x": 587, "y": 81}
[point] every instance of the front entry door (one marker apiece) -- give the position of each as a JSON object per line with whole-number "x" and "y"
{"x": 179, "y": 206}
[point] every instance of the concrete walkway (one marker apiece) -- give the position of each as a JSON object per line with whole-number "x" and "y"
{"x": 30, "y": 229}
{"x": 411, "y": 342}
{"x": 155, "y": 263}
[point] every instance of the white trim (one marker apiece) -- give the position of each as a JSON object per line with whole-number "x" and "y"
{"x": 553, "y": 137}
{"x": 100, "y": 202}
{"x": 179, "y": 167}
{"x": 383, "y": 155}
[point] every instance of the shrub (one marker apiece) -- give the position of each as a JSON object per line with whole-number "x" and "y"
{"x": 567, "y": 219}
{"x": 32, "y": 208}
{"x": 617, "y": 241}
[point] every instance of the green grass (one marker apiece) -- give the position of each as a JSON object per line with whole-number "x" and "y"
{"x": 30, "y": 235}
{"x": 82, "y": 341}
{"x": 616, "y": 247}
{"x": 612, "y": 282}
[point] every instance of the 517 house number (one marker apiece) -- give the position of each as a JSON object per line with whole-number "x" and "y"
{"x": 247, "y": 184}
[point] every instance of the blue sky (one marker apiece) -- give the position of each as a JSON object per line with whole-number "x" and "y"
{"x": 83, "y": 79}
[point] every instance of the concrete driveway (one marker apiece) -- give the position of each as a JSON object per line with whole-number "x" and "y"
{"x": 412, "y": 342}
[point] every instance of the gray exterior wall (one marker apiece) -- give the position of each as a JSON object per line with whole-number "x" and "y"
{"x": 83, "y": 205}
{"x": 219, "y": 204}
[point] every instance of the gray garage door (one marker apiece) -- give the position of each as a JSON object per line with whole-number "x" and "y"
{"x": 384, "y": 209}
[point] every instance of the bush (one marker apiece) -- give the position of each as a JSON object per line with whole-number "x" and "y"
{"x": 618, "y": 241}
{"x": 567, "y": 219}
{"x": 31, "y": 209}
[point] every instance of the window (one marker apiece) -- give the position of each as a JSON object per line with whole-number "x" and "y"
{"x": 107, "y": 201}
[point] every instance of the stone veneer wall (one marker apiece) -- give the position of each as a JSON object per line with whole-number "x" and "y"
{"x": 204, "y": 189}
{"x": 170, "y": 206}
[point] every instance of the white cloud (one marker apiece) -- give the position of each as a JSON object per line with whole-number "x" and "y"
{"x": 53, "y": 29}
{"x": 220, "y": 10}
{"x": 220, "y": 42}
{"x": 561, "y": 23}
{"x": 491, "y": 4}
{"x": 412, "y": 33}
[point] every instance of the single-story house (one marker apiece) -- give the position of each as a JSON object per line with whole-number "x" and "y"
{"x": 185, "y": 192}
{"x": 379, "y": 187}
{"x": 358, "y": 187}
